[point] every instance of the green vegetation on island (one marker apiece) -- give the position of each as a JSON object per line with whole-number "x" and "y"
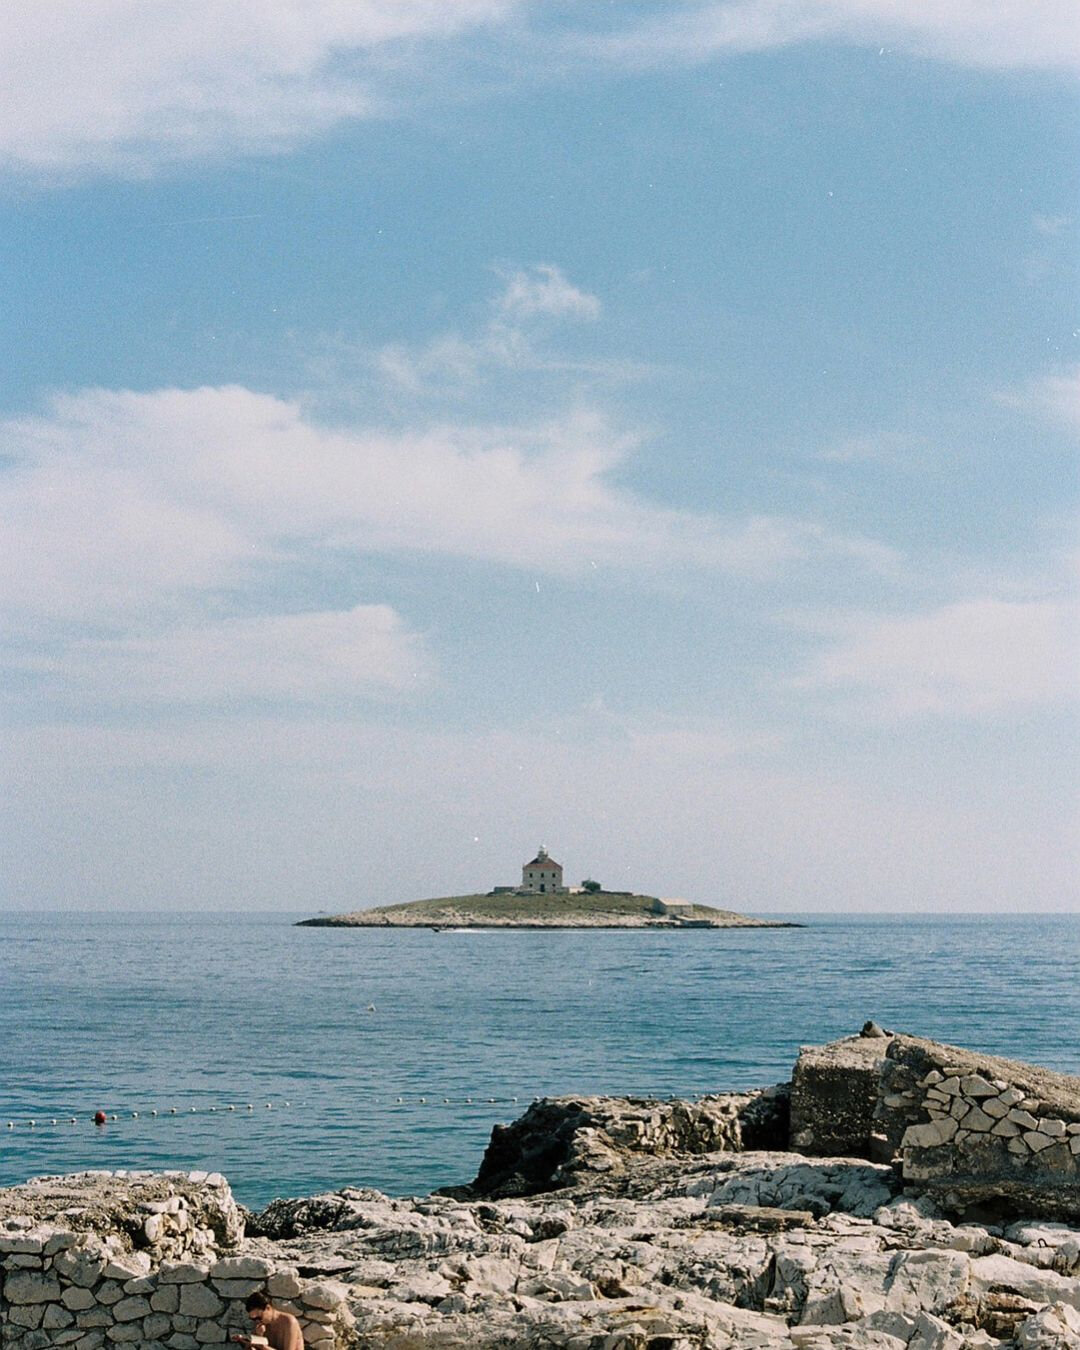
{"x": 578, "y": 908}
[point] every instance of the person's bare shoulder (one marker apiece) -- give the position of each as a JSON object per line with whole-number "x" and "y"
{"x": 295, "y": 1338}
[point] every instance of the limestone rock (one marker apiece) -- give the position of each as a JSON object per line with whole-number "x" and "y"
{"x": 562, "y": 1141}
{"x": 1056, "y": 1327}
{"x": 834, "y": 1093}
{"x": 598, "y": 1224}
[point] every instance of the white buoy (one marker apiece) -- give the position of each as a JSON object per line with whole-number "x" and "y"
{"x": 172, "y": 1110}
{"x": 134, "y": 1115}
{"x": 250, "y": 1107}
{"x": 154, "y": 1112}
{"x": 371, "y": 1007}
{"x": 232, "y": 1108}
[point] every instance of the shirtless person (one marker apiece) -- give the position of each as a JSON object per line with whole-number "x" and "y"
{"x": 280, "y": 1328}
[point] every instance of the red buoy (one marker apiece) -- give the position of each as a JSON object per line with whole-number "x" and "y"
{"x": 99, "y": 1117}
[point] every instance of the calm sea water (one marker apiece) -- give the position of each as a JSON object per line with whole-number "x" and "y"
{"x": 195, "y": 1013}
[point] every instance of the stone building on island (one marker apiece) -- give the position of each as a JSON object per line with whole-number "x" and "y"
{"x": 542, "y": 876}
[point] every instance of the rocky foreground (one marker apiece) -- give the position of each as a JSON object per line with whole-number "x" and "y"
{"x": 608, "y": 1224}
{"x": 759, "y": 1249}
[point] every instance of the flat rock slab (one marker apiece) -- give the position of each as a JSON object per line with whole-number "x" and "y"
{"x": 759, "y": 1218}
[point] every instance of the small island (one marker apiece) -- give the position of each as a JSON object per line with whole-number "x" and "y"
{"x": 543, "y": 901}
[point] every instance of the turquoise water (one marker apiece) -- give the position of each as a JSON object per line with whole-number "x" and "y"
{"x": 142, "y": 1013}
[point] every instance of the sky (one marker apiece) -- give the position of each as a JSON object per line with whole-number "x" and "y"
{"x": 644, "y": 429}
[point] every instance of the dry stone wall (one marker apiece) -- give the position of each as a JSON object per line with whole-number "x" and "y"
{"x": 974, "y": 1131}
{"x": 132, "y": 1261}
{"x": 971, "y": 1129}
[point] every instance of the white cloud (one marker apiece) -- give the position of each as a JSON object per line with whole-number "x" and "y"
{"x": 126, "y": 84}
{"x": 993, "y": 34}
{"x": 971, "y": 658}
{"x": 451, "y": 364}
{"x": 543, "y": 289}
{"x": 126, "y": 505}
{"x": 1051, "y": 226}
{"x": 1057, "y": 396}
{"x": 134, "y": 527}
{"x": 447, "y": 365}
{"x": 299, "y": 658}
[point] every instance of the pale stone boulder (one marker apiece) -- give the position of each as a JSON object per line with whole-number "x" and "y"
{"x": 1056, "y": 1327}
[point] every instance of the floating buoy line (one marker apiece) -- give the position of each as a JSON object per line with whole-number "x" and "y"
{"x": 101, "y": 1118}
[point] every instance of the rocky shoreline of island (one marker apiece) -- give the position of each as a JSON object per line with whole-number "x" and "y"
{"x": 498, "y": 909}
{"x": 895, "y": 1194}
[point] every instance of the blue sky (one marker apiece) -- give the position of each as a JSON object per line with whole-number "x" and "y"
{"x": 648, "y": 429}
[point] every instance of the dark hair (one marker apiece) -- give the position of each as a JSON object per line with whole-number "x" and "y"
{"x": 255, "y": 1301}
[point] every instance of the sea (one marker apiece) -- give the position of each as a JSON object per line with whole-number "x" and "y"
{"x": 298, "y": 1060}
